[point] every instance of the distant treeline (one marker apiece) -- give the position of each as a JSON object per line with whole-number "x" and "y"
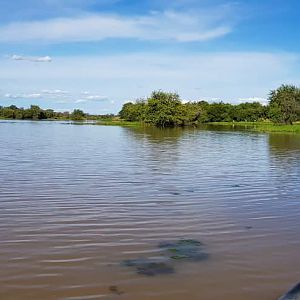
{"x": 166, "y": 109}
{"x": 34, "y": 112}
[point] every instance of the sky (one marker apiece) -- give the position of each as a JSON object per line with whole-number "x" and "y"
{"x": 96, "y": 55}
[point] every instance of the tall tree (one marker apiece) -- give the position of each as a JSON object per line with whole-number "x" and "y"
{"x": 284, "y": 104}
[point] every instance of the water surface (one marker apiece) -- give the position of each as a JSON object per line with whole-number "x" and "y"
{"x": 76, "y": 201}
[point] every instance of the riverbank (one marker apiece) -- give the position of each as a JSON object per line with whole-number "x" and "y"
{"x": 261, "y": 126}
{"x": 253, "y": 126}
{"x": 118, "y": 122}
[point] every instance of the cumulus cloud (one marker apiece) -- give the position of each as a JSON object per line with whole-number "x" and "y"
{"x": 32, "y": 58}
{"x": 253, "y": 99}
{"x": 96, "y": 98}
{"x": 226, "y": 76}
{"x": 87, "y": 98}
{"x": 168, "y": 25}
{"x": 23, "y": 96}
{"x": 58, "y": 96}
{"x": 55, "y": 92}
{"x": 44, "y": 94}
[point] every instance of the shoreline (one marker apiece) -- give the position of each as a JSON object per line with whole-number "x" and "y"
{"x": 251, "y": 126}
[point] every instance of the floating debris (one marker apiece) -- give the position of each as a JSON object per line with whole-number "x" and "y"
{"x": 150, "y": 267}
{"x": 185, "y": 250}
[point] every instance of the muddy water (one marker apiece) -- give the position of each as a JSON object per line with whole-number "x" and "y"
{"x": 76, "y": 201}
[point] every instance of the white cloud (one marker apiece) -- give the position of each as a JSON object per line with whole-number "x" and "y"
{"x": 23, "y": 96}
{"x": 168, "y": 25}
{"x": 253, "y": 99}
{"x": 226, "y": 76}
{"x": 55, "y": 92}
{"x": 32, "y": 58}
{"x": 94, "y": 98}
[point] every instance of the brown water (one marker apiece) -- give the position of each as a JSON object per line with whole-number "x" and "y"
{"x": 76, "y": 201}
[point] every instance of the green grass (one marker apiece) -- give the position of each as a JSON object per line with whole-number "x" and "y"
{"x": 278, "y": 128}
{"x": 262, "y": 126}
{"x": 252, "y": 126}
{"x": 118, "y": 123}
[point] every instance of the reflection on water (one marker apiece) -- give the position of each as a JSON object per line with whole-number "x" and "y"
{"x": 77, "y": 201}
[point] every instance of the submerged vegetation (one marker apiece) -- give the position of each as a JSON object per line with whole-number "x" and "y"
{"x": 183, "y": 250}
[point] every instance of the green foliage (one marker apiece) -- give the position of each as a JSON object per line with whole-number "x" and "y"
{"x": 34, "y": 112}
{"x": 218, "y": 112}
{"x": 166, "y": 110}
{"x": 13, "y": 112}
{"x": 248, "y": 112}
{"x": 77, "y": 115}
{"x": 133, "y": 112}
{"x": 284, "y": 104}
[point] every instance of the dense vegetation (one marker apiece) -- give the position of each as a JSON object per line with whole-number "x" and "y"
{"x": 34, "y": 112}
{"x": 166, "y": 109}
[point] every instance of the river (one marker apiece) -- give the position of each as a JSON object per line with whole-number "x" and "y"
{"x": 77, "y": 201}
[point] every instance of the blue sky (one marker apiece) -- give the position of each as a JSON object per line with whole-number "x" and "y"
{"x": 98, "y": 54}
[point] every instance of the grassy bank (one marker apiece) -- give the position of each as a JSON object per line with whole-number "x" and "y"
{"x": 253, "y": 126}
{"x": 261, "y": 126}
{"x": 118, "y": 122}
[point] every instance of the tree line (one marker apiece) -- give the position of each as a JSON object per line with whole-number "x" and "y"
{"x": 34, "y": 112}
{"x": 166, "y": 109}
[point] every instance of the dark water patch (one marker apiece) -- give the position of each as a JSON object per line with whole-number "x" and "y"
{"x": 189, "y": 190}
{"x": 185, "y": 249}
{"x": 150, "y": 267}
{"x": 235, "y": 186}
{"x": 115, "y": 290}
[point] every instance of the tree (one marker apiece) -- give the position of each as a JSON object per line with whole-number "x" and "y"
{"x": 77, "y": 115}
{"x": 219, "y": 112}
{"x": 35, "y": 112}
{"x": 7, "y": 113}
{"x": 49, "y": 113}
{"x": 133, "y": 111}
{"x": 165, "y": 109}
{"x": 284, "y": 104}
{"x": 248, "y": 112}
